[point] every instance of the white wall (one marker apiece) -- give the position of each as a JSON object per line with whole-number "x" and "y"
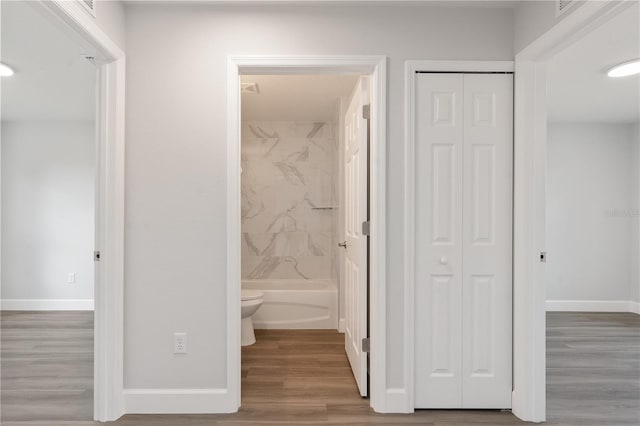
{"x": 590, "y": 204}
{"x": 176, "y": 157}
{"x": 635, "y": 220}
{"x": 534, "y": 18}
{"x": 47, "y": 209}
{"x": 110, "y": 17}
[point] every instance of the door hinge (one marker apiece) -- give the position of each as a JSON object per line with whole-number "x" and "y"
{"x": 366, "y": 345}
{"x": 366, "y": 228}
{"x": 543, "y": 256}
{"x": 366, "y": 112}
{"x": 96, "y": 256}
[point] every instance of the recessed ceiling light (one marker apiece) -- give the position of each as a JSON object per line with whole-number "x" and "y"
{"x": 625, "y": 69}
{"x": 5, "y": 70}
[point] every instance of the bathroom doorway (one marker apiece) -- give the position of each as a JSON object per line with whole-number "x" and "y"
{"x": 304, "y": 143}
{"x": 302, "y": 258}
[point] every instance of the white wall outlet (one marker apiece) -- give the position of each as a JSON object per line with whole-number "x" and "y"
{"x": 179, "y": 343}
{"x": 71, "y": 278}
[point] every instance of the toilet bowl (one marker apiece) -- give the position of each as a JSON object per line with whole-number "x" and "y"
{"x": 250, "y": 302}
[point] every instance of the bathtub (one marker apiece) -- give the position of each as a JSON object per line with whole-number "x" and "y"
{"x": 295, "y": 304}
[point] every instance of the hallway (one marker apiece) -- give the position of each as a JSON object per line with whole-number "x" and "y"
{"x": 303, "y": 377}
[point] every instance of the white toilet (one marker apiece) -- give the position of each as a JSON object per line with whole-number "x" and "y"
{"x": 250, "y": 302}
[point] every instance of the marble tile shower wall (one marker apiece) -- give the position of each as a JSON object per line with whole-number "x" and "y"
{"x": 289, "y": 200}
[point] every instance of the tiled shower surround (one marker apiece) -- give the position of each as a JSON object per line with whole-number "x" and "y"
{"x": 289, "y": 200}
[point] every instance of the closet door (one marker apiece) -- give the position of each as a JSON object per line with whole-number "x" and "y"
{"x": 438, "y": 291}
{"x": 487, "y": 241}
{"x": 464, "y": 158}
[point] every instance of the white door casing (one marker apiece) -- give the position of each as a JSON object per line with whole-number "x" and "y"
{"x": 464, "y": 126}
{"x": 356, "y": 268}
{"x": 375, "y": 67}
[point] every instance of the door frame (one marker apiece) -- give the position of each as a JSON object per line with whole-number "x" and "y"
{"x": 530, "y": 125}
{"x": 376, "y": 67}
{"x": 108, "y": 380}
{"x": 411, "y": 68}
{"x": 530, "y": 114}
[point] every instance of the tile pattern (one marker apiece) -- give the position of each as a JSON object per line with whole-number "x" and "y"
{"x": 288, "y": 192}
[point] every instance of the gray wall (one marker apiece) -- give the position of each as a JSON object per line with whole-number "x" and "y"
{"x": 175, "y": 261}
{"x": 110, "y": 17}
{"x": 534, "y": 18}
{"x": 47, "y": 209}
{"x": 635, "y": 197}
{"x": 592, "y": 222}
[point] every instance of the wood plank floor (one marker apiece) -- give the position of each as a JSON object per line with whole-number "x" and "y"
{"x": 46, "y": 366}
{"x": 303, "y": 377}
{"x": 593, "y": 368}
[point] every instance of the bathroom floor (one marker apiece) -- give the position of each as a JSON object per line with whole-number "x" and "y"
{"x": 304, "y": 377}
{"x": 306, "y": 370}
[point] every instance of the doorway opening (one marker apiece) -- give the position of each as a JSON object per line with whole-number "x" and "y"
{"x": 303, "y": 166}
{"x": 458, "y": 233}
{"x": 592, "y": 234}
{"x": 73, "y": 27}
{"x": 531, "y": 258}
{"x": 49, "y": 209}
{"x": 306, "y": 139}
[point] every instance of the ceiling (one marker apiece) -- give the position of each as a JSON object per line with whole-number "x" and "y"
{"x": 454, "y": 3}
{"x": 579, "y": 89}
{"x": 295, "y": 97}
{"x": 52, "y": 80}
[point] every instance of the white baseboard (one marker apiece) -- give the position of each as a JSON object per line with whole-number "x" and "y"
{"x": 341, "y": 325}
{"x": 592, "y": 306}
{"x": 46, "y": 304}
{"x": 397, "y": 401}
{"x": 178, "y": 401}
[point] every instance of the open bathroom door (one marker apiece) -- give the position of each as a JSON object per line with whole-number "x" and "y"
{"x": 356, "y": 239}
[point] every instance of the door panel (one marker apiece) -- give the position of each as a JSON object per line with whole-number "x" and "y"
{"x": 356, "y": 310}
{"x": 487, "y": 231}
{"x": 438, "y": 293}
{"x": 443, "y": 346}
{"x": 443, "y": 177}
{"x": 483, "y": 200}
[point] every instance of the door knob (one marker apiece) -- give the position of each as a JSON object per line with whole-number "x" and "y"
{"x": 444, "y": 260}
{"x": 343, "y": 244}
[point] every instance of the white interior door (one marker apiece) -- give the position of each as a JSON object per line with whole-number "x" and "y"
{"x": 438, "y": 292}
{"x": 487, "y": 241}
{"x": 355, "y": 274}
{"x": 464, "y": 148}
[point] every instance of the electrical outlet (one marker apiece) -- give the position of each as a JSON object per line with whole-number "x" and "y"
{"x": 179, "y": 343}
{"x": 71, "y": 277}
